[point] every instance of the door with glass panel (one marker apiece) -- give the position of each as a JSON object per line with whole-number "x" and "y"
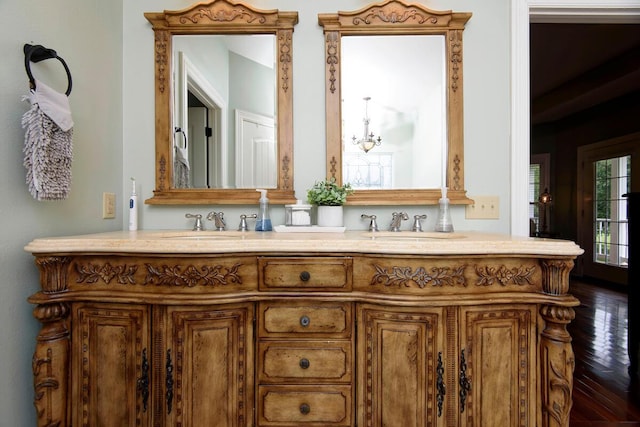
{"x": 606, "y": 173}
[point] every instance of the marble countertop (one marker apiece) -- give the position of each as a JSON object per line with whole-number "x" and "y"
{"x": 384, "y": 242}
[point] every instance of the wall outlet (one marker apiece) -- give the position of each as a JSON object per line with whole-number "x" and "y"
{"x": 484, "y": 207}
{"x": 108, "y": 205}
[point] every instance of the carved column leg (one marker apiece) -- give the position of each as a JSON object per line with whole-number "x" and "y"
{"x": 556, "y": 353}
{"x": 557, "y": 364}
{"x": 51, "y": 365}
{"x": 50, "y": 362}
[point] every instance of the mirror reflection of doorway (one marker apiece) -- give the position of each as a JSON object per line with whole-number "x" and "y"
{"x": 199, "y": 150}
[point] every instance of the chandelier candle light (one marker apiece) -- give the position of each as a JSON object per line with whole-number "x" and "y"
{"x": 368, "y": 140}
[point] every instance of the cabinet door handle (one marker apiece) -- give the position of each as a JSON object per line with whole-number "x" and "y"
{"x": 440, "y": 384}
{"x": 169, "y": 381}
{"x": 304, "y": 363}
{"x": 142, "y": 384}
{"x": 305, "y": 409}
{"x": 305, "y": 276}
{"x": 465, "y": 383}
{"x": 304, "y": 321}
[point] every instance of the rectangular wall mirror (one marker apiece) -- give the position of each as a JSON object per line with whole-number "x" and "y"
{"x": 224, "y": 104}
{"x": 394, "y": 103}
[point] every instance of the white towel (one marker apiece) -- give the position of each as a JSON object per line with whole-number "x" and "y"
{"x": 48, "y": 150}
{"x": 181, "y": 168}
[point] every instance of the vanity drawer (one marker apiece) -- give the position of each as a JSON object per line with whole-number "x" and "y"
{"x": 305, "y": 319}
{"x": 304, "y": 361}
{"x": 308, "y": 273}
{"x": 285, "y": 406}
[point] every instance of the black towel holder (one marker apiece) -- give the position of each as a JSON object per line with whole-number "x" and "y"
{"x": 37, "y": 53}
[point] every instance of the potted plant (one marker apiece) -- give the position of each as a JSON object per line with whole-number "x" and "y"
{"x": 329, "y": 197}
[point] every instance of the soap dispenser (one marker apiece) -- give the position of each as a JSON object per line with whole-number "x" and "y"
{"x": 444, "y": 223}
{"x": 263, "y": 222}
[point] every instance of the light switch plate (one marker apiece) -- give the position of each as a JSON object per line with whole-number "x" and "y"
{"x": 484, "y": 207}
{"x": 108, "y": 205}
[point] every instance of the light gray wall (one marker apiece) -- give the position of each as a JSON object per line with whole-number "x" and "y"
{"x": 487, "y": 113}
{"x": 88, "y": 35}
{"x": 109, "y": 48}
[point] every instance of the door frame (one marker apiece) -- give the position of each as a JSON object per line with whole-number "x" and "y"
{"x": 523, "y": 12}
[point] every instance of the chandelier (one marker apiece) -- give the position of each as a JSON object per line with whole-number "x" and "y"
{"x": 368, "y": 140}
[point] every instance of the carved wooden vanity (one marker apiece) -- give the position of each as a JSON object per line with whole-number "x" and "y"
{"x": 284, "y": 329}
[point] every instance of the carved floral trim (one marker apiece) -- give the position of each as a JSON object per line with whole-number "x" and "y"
{"x": 332, "y": 58}
{"x": 504, "y": 276}
{"x": 395, "y": 16}
{"x": 405, "y": 276}
{"x": 162, "y": 56}
{"x": 451, "y": 276}
{"x": 191, "y": 276}
{"x": 285, "y": 57}
{"x": 93, "y": 273}
{"x": 238, "y": 12}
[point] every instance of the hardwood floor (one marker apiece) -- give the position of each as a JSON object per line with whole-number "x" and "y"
{"x": 603, "y": 394}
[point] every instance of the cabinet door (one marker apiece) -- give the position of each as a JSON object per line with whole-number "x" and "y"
{"x": 399, "y": 372}
{"x": 209, "y": 366}
{"x": 498, "y": 362}
{"x": 110, "y": 358}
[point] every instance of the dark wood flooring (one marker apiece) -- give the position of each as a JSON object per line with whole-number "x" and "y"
{"x": 603, "y": 393}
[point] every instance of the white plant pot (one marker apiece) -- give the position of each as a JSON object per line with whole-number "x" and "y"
{"x": 330, "y": 216}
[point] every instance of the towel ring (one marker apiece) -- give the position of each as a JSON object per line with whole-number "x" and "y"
{"x": 184, "y": 135}
{"x": 37, "y": 53}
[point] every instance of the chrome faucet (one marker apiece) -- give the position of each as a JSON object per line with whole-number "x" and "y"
{"x": 396, "y": 220}
{"x": 218, "y": 220}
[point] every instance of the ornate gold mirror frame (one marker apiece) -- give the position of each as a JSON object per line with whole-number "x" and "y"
{"x": 221, "y": 17}
{"x": 395, "y": 17}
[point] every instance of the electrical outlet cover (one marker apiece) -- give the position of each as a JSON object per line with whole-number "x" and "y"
{"x": 108, "y": 205}
{"x": 484, "y": 207}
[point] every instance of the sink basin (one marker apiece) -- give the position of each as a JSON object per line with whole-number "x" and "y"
{"x": 393, "y": 235}
{"x": 204, "y": 235}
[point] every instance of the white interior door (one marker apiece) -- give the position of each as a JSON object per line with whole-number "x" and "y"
{"x": 255, "y": 151}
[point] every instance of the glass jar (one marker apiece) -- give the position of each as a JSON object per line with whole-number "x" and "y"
{"x": 298, "y": 214}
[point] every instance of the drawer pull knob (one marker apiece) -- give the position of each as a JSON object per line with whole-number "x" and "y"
{"x": 304, "y": 321}
{"x": 305, "y": 276}
{"x": 305, "y": 409}
{"x": 304, "y": 363}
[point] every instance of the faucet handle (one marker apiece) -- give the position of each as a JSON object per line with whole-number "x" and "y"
{"x": 373, "y": 224}
{"x": 243, "y": 221}
{"x": 417, "y": 222}
{"x": 197, "y": 226}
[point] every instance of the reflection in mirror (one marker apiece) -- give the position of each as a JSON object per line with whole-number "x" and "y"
{"x": 407, "y": 60}
{"x": 224, "y": 114}
{"x": 401, "y": 121}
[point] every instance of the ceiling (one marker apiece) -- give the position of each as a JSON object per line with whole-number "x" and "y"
{"x": 578, "y": 66}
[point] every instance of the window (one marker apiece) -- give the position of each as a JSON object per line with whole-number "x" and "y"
{"x": 538, "y": 183}
{"x": 611, "y": 182}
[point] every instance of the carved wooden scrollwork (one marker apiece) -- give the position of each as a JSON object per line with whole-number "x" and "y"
{"x": 92, "y": 273}
{"x": 176, "y": 275}
{"x": 503, "y": 275}
{"x": 191, "y": 276}
{"x": 405, "y": 276}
